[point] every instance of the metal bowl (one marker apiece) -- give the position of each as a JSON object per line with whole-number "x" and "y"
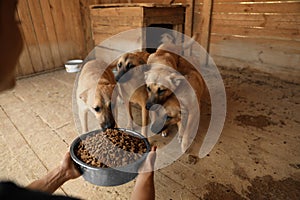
{"x": 108, "y": 176}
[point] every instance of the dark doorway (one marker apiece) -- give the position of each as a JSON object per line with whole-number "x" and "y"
{"x": 153, "y": 40}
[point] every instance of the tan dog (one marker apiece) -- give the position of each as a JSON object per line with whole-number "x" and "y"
{"x": 94, "y": 91}
{"x": 167, "y": 117}
{"x": 184, "y": 114}
{"x": 167, "y": 55}
{"x": 129, "y": 88}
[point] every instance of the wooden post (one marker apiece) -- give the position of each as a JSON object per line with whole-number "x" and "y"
{"x": 205, "y": 25}
{"x": 189, "y": 15}
{"x": 204, "y": 29}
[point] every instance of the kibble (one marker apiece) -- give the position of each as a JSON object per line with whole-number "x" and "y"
{"x": 110, "y": 148}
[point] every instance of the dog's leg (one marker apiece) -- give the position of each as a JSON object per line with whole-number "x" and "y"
{"x": 182, "y": 125}
{"x": 189, "y": 133}
{"x": 129, "y": 116}
{"x": 164, "y": 133}
{"x": 114, "y": 108}
{"x": 145, "y": 118}
{"x": 83, "y": 119}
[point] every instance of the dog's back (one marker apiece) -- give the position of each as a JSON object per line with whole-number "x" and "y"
{"x": 91, "y": 73}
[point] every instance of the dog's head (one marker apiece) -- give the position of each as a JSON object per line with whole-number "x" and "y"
{"x": 167, "y": 117}
{"x": 99, "y": 102}
{"x": 128, "y": 61}
{"x": 102, "y": 106}
{"x": 160, "y": 85}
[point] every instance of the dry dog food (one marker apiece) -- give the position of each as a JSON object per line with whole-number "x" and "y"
{"x": 113, "y": 148}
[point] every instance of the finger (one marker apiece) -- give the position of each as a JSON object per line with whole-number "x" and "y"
{"x": 153, "y": 148}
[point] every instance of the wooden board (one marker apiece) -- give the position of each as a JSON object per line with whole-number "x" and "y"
{"x": 273, "y": 7}
{"x": 29, "y": 37}
{"x": 52, "y": 33}
{"x": 263, "y": 35}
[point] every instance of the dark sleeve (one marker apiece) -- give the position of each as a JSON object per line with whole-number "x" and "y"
{"x": 10, "y": 191}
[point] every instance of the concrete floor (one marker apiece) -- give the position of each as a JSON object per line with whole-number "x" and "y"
{"x": 257, "y": 156}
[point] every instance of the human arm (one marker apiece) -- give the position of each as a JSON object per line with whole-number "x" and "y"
{"x": 57, "y": 177}
{"x": 144, "y": 186}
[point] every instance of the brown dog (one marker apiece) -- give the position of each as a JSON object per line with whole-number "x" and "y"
{"x": 167, "y": 117}
{"x": 166, "y": 56}
{"x": 184, "y": 114}
{"x": 94, "y": 91}
{"x": 130, "y": 89}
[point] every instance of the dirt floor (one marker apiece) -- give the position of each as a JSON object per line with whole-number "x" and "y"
{"x": 257, "y": 155}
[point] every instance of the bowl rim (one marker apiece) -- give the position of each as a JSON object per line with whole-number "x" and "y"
{"x": 120, "y": 168}
{"x": 74, "y": 62}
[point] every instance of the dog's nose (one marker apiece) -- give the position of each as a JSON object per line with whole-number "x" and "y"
{"x": 148, "y": 105}
{"x": 110, "y": 124}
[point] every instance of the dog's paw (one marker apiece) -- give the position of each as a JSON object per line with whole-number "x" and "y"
{"x": 164, "y": 134}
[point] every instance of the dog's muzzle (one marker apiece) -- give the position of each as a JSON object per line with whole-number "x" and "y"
{"x": 105, "y": 126}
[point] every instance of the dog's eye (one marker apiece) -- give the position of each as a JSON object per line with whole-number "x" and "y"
{"x": 119, "y": 65}
{"x": 149, "y": 89}
{"x": 130, "y": 65}
{"x": 168, "y": 117}
{"x": 160, "y": 91}
{"x": 97, "y": 109}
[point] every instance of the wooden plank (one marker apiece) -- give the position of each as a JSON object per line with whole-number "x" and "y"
{"x": 58, "y": 16}
{"x": 266, "y": 19}
{"x": 116, "y": 11}
{"x": 86, "y": 22}
{"x": 189, "y": 15}
{"x": 112, "y": 30}
{"x": 287, "y": 46}
{"x": 163, "y": 12}
{"x": 267, "y": 22}
{"x": 23, "y": 166}
{"x": 73, "y": 26}
{"x": 51, "y": 31}
{"x": 29, "y": 37}
{"x": 175, "y": 20}
{"x": 289, "y": 34}
{"x": 99, "y": 37}
{"x": 274, "y": 7}
{"x": 117, "y": 21}
{"x": 251, "y": 1}
{"x": 25, "y": 64}
{"x": 272, "y": 56}
{"x": 206, "y": 24}
{"x": 41, "y": 34}
{"x": 197, "y": 16}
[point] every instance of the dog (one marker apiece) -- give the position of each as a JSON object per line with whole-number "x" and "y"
{"x": 182, "y": 114}
{"x": 168, "y": 116}
{"x": 129, "y": 87}
{"x": 166, "y": 55}
{"x": 95, "y": 87}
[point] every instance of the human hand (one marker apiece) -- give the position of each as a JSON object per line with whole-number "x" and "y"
{"x": 69, "y": 168}
{"x": 148, "y": 165}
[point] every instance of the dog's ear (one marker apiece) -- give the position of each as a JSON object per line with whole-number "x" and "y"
{"x": 176, "y": 79}
{"x": 84, "y": 95}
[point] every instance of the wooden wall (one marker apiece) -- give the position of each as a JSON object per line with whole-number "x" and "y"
{"x": 262, "y": 35}
{"x": 259, "y": 34}
{"x": 52, "y": 32}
